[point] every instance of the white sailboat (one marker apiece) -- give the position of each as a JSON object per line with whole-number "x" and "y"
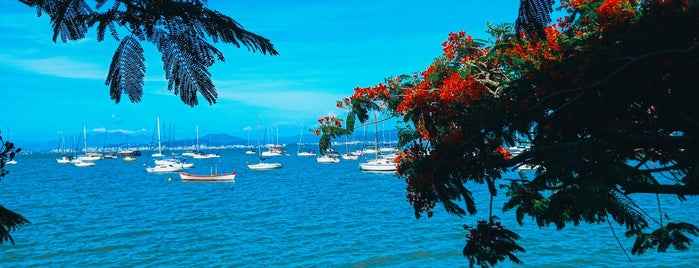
{"x": 201, "y": 155}
{"x": 354, "y": 155}
{"x": 249, "y": 150}
{"x": 160, "y": 150}
{"x": 378, "y": 163}
{"x": 262, "y": 165}
{"x": 63, "y": 159}
{"x": 274, "y": 149}
{"x": 88, "y": 156}
{"x": 299, "y": 146}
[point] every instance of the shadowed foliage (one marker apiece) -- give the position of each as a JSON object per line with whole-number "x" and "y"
{"x": 9, "y": 220}
{"x": 182, "y": 31}
{"x": 596, "y": 112}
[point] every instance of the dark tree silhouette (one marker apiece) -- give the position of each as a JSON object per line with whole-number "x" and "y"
{"x": 182, "y": 31}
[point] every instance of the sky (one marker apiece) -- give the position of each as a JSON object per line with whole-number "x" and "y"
{"x": 327, "y": 48}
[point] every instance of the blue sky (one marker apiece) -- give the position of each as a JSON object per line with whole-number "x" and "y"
{"x": 327, "y": 48}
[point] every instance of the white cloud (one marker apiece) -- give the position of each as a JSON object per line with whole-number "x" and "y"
{"x": 61, "y": 67}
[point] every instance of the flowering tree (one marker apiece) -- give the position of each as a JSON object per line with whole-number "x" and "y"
{"x": 603, "y": 97}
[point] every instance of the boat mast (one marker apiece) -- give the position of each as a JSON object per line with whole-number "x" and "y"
{"x": 159, "y": 149}
{"x": 85, "y": 138}
{"x": 298, "y": 147}
{"x": 376, "y": 136}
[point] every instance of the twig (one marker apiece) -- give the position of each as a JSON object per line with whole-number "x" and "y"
{"x": 617, "y": 238}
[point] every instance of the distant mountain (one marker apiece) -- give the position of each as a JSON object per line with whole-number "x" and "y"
{"x": 122, "y": 140}
{"x": 218, "y": 139}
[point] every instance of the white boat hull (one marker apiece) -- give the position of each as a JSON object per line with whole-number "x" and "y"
{"x": 350, "y": 157}
{"x": 271, "y": 154}
{"x": 89, "y": 158}
{"x": 378, "y": 165}
{"x": 79, "y": 163}
{"x": 230, "y": 177}
{"x": 263, "y": 166}
{"x": 327, "y": 159}
{"x": 164, "y": 168}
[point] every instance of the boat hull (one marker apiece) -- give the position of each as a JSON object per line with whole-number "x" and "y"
{"x": 327, "y": 160}
{"x": 263, "y": 166}
{"x": 230, "y": 177}
{"x": 378, "y": 165}
{"x": 161, "y": 169}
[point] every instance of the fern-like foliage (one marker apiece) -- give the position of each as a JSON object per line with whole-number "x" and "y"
{"x": 181, "y": 30}
{"x": 671, "y": 234}
{"x": 67, "y": 17}
{"x": 533, "y": 17}
{"x": 9, "y": 221}
{"x": 490, "y": 243}
{"x": 127, "y": 71}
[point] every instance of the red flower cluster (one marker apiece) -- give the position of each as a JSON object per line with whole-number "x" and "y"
{"x": 504, "y": 152}
{"x": 371, "y": 93}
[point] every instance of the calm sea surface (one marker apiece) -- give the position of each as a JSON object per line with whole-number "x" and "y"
{"x": 306, "y": 214}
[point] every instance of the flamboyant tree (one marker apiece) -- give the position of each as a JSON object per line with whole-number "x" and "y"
{"x": 603, "y": 97}
{"x": 183, "y": 31}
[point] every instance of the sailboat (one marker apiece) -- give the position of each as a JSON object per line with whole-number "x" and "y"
{"x": 87, "y": 157}
{"x": 262, "y": 165}
{"x": 160, "y": 150}
{"x": 274, "y": 149}
{"x": 63, "y": 159}
{"x": 201, "y": 155}
{"x": 378, "y": 163}
{"x": 250, "y": 150}
{"x": 350, "y": 155}
{"x": 304, "y": 152}
{"x": 111, "y": 154}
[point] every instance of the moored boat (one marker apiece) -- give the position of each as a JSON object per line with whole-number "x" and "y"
{"x": 327, "y": 159}
{"x": 81, "y": 163}
{"x": 229, "y": 177}
{"x": 380, "y": 164}
{"x": 263, "y": 166}
{"x": 160, "y": 168}
{"x": 64, "y": 159}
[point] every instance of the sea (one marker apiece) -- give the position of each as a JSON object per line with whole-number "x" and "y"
{"x": 115, "y": 214}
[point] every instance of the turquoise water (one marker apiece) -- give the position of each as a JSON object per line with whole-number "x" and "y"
{"x": 306, "y": 214}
